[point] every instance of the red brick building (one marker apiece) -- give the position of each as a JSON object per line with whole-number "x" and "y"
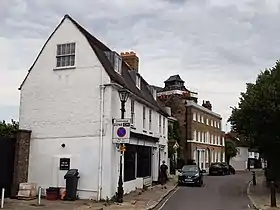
{"x": 202, "y": 139}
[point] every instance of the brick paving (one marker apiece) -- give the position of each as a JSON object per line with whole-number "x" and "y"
{"x": 260, "y": 194}
{"x": 139, "y": 200}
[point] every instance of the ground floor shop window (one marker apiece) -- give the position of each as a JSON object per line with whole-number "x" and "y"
{"x": 129, "y": 163}
{"x": 144, "y": 166}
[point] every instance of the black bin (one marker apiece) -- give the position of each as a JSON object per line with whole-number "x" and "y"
{"x": 72, "y": 177}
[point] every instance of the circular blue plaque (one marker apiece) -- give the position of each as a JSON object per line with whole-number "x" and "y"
{"x": 121, "y": 132}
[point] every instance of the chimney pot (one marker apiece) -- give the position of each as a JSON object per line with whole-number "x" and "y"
{"x": 131, "y": 59}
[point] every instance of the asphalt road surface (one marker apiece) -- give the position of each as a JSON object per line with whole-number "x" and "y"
{"x": 219, "y": 193}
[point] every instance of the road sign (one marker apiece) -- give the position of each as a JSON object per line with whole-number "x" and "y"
{"x": 121, "y": 131}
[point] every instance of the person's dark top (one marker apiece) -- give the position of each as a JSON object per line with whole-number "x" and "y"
{"x": 163, "y": 169}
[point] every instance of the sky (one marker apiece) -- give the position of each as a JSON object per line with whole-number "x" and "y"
{"x": 216, "y": 46}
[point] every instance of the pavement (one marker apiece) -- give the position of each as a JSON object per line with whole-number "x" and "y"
{"x": 219, "y": 193}
{"x": 260, "y": 194}
{"x": 138, "y": 200}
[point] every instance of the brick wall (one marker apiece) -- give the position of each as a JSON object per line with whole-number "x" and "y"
{"x": 21, "y": 160}
{"x": 178, "y": 110}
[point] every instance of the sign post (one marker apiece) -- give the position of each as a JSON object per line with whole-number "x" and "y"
{"x": 121, "y": 131}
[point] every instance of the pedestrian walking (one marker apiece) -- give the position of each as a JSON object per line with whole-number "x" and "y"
{"x": 163, "y": 175}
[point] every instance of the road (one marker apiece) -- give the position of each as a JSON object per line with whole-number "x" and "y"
{"x": 219, "y": 193}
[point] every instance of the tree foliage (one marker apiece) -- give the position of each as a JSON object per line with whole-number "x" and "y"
{"x": 173, "y": 135}
{"x": 257, "y": 116}
{"x": 231, "y": 150}
{"x": 174, "y": 132}
{"x": 7, "y": 129}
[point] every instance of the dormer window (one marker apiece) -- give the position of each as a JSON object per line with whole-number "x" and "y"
{"x": 138, "y": 81}
{"x": 115, "y": 59}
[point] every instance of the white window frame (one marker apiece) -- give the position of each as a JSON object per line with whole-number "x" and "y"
{"x": 66, "y": 55}
{"x": 138, "y": 81}
{"x": 118, "y": 63}
{"x": 194, "y": 135}
{"x": 207, "y": 121}
{"x": 199, "y": 136}
{"x": 198, "y": 117}
{"x": 150, "y": 119}
{"x": 194, "y": 116}
{"x": 132, "y": 111}
{"x": 202, "y": 119}
{"x": 205, "y": 137}
{"x": 144, "y": 117}
{"x": 159, "y": 124}
{"x": 211, "y": 122}
{"x": 163, "y": 125}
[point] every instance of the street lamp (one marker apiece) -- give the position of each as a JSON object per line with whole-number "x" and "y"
{"x": 123, "y": 93}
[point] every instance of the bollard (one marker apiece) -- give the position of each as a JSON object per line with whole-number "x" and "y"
{"x": 2, "y": 198}
{"x": 272, "y": 195}
{"x": 254, "y": 178}
{"x": 39, "y": 196}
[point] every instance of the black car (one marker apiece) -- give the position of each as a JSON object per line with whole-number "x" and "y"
{"x": 218, "y": 169}
{"x": 191, "y": 174}
{"x": 226, "y": 168}
{"x": 231, "y": 169}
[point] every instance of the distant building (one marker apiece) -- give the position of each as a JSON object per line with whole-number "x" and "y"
{"x": 245, "y": 154}
{"x": 202, "y": 139}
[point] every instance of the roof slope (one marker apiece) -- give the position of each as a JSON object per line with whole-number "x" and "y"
{"x": 124, "y": 79}
{"x": 174, "y": 78}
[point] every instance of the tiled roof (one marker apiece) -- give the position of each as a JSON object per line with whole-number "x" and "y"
{"x": 174, "y": 78}
{"x": 124, "y": 79}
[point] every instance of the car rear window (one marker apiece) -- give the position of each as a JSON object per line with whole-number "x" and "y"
{"x": 215, "y": 164}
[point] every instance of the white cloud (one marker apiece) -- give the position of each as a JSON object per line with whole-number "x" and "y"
{"x": 215, "y": 45}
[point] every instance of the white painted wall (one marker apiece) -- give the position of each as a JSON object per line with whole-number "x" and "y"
{"x": 63, "y": 106}
{"x": 239, "y": 162}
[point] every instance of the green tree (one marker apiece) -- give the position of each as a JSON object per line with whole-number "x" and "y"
{"x": 230, "y": 150}
{"x": 173, "y": 136}
{"x": 7, "y": 129}
{"x": 257, "y": 118}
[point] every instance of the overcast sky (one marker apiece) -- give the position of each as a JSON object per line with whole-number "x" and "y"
{"x": 215, "y": 45}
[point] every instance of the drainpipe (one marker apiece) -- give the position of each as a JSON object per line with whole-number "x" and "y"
{"x": 100, "y": 167}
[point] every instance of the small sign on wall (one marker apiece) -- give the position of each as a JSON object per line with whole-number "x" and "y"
{"x": 64, "y": 164}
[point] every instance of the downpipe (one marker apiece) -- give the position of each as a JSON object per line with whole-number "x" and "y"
{"x": 100, "y": 165}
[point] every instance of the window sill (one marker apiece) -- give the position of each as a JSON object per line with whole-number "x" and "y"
{"x": 64, "y": 68}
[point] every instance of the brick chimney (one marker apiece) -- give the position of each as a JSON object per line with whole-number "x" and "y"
{"x": 131, "y": 59}
{"x": 207, "y": 105}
